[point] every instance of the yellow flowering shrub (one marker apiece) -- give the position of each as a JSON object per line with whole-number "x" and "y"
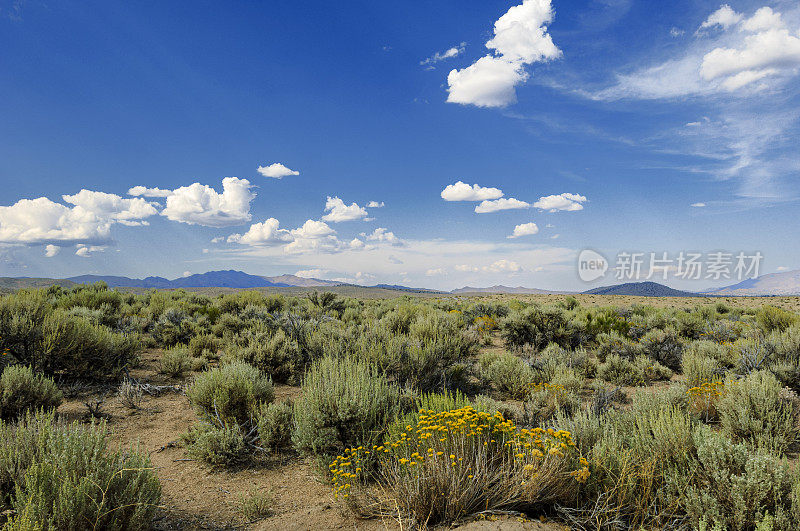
{"x": 457, "y": 462}
{"x": 703, "y": 399}
{"x": 485, "y": 324}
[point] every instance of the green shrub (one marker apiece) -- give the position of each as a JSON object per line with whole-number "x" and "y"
{"x": 217, "y": 446}
{"x": 345, "y": 402}
{"x": 175, "y": 361}
{"x": 275, "y": 426}
{"x": 757, "y": 411}
{"x": 231, "y": 395}
{"x": 699, "y": 366}
{"x": 615, "y": 345}
{"x": 63, "y": 476}
{"x": 730, "y": 487}
{"x": 21, "y": 390}
{"x": 665, "y": 347}
{"x": 538, "y": 328}
{"x": 279, "y": 355}
{"x": 619, "y": 371}
{"x": 53, "y": 341}
{"x": 204, "y": 345}
{"x": 771, "y": 318}
{"x": 510, "y": 376}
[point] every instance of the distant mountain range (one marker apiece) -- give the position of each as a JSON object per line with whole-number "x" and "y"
{"x": 519, "y": 290}
{"x": 212, "y": 279}
{"x": 641, "y": 289}
{"x": 785, "y": 283}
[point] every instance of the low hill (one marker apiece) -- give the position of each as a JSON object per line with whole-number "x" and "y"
{"x": 212, "y": 279}
{"x": 785, "y": 283}
{"x": 641, "y": 289}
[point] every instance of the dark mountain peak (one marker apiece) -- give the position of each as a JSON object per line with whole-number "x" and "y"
{"x": 641, "y": 289}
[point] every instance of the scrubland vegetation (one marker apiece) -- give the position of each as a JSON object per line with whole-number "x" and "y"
{"x": 425, "y": 411}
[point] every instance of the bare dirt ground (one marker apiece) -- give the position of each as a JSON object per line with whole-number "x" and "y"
{"x": 194, "y": 496}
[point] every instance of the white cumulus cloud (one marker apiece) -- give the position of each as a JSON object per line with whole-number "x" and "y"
{"x": 276, "y": 170}
{"x": 566, "y": 201}
{"x": 148, "y": 192}
{"x": 461, "y": 191}
{"x": 504, "y": 203}
{"x": 382, "y": 234}
{"x": 451, "y": 52}
{"x": 375, "y": 204}
{"x": 525, "y": 229}
{"x": 724, "y": 17}
{"x": 520, "y": 39}
{"x": 265, "y": 233}
{"x": 338, "y": 211}
{"x": 51, "y": 250}
{"x": 200, "y": 204}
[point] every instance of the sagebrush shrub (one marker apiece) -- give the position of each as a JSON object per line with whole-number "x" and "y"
{"x": 756, "y": 411}
{"x": 771, "y": 318}
{"x": 275, "y": 425}
{"x": 665, "y": 347}
{"x": 63, "y": 476}
{"x": 175, "y": 361}
{"x": 215, "y": 445}
{"x": 700, "y": 363}
{"x": 510, "y": 375}
{"x": 729, "y": 486}
{"x": 612, "y": 344}
{"x": 537, "y": 327}
{"x": 345, "y": 402}
{"x": 21, "y": 390}
{"x": 231, "y": 395}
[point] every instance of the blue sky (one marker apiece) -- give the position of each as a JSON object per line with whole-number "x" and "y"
{"x": 605, "y": 121}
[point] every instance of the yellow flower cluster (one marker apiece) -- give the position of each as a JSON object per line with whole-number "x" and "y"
{"x": 485, "y": 323}
{"x": 465, "y": 440}
{"x": 703, "y": 398}
{"x": 556, "y": 389}
{"x": 706, "y": 390}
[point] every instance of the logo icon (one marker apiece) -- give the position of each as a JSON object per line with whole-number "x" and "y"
{"x": 591, "y": 265}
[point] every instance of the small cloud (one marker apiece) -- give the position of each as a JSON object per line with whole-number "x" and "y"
{"x": 698, "y": 205}
{"x": 504, "y": 203}
{"x": 435, "y": 272}
{"x": 338, "y": 211}
{"x": 186, "y": 274}
{"x": 454, "y": 51}
{"x": 148, "y": 192}
{"x": 555, "y": 236}
{"x": 51, "y": 250}
{"x": 86, "y": 251}
{"x": 723, "y": 17}
{"x": 676, "y": 32}
{"x": 566, "y": 201}
{"x": 311, "y": 273}
{"x": 461, "y": 191}
{"x": 525, "y": 229}
{"x": 375, "y": 204}
{"x": 276, "y": 170}
{"x": 381, "y": 234}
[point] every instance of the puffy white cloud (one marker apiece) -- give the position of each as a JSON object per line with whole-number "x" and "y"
{"x": 521, "y": 35}
{"x": 85, "y": 251}
{"x": 265, "y": 233}
{"x": 499, "y": 266}
{"x": 725, "y": 17}
{"x": 313, "y": 229}
{"x": 461, "y": 191}
{"x": 442, "y": 56}
{"x": 435, "y": 272}
{"x": 566, "y": 201}
{"x": 148, "y": 192}
{"x": 89, "y": 220}
{"x": 698, "y": 205}
{"x": 763, "y": 19}
{"x": 375, "y": 204}
{"x": 503, "y": 266}
{"x": 113, "y": 207}
{"x": 500, "y": 204}
{"x": 276, "y": 170}
{"x": 199, "y": 204}
{"x": 51, "y": 250}
{"x": 520, "y": 39}
{"x": 338, "y": 211}
{"x": 382, "y": 234}
{"x": 488, "y": 82}
{"x": 525, "y": 229}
